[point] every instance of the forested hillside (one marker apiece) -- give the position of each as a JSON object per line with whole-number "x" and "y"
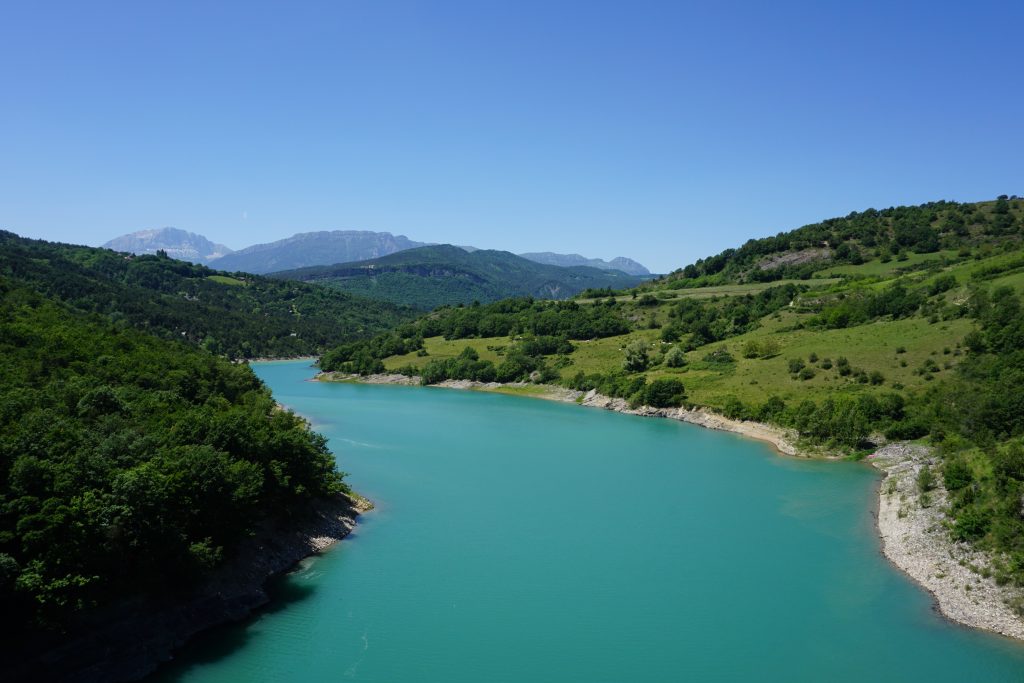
{"x": 129, "y": 465}
{"x": 887, "y": 337}
{"x": 428, "y": 277}
{"x": 241, "y": 316}
{"x": 887, "y": 234}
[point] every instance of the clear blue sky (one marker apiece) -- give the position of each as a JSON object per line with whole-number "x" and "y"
{"x": 661, "y": 131}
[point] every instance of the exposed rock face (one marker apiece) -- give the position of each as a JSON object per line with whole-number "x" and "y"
{"x": 179, "y": 244}
{"x": 128, "y": 641}
{"x": 794, "y": 258}
{"x": 915, "y": 539}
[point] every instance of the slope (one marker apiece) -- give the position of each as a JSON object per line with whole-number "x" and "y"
{"x": 314, "y": 248}
{"x": 626, "y": 265}
{"x": 921, "y": 345}
{"x": 427, "y": 277}
{"x": 244, "y": 317}
{"x": 179, "y": 244}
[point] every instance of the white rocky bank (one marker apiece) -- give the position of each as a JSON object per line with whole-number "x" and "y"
{"x": 916, "y": 539}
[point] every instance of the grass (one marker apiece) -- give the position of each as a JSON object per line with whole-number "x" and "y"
{"x": 875, "y": 267}
{"x": 871, "y": 347}
{"x": 440, "y": 348}
{"x": 226, "y": 280}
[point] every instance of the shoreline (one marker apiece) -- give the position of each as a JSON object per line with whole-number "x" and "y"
{"x": 783, "y": 441}
{"x": 131, "y": 640}
{"x": 914, "y": 539}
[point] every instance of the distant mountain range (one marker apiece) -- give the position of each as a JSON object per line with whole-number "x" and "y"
{"x": 179, "y": 244}
{"x": 626, "y": 265}
{"x": 431, "y": 276}
{"x": 316, "y": 249}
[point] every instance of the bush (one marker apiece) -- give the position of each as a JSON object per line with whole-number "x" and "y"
{"x": 675, "y": 358}
{"x": 806, "y": 374}
{"x": 796, "y": 365}
{"x": 734, "y": 409}
{"x": 719, "y": 356}
{"x": 925, "y": 479}
{"x": 636, "y": 359}
{"x": 956, "y": 474}
{"x": 662, "y": 393}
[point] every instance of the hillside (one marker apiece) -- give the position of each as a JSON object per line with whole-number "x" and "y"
{"x": 433, "y": 276}
{"x": 626, "y": 265}
{"x": 132, "y": 468}
{"x": 895, "y": 233}
{"x": 926, "y": 344}
{"x": 178, "y": 244}
{"x": 312, "y": 249}
{"x": 243, "y": 317}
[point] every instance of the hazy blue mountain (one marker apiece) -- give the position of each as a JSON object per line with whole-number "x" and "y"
{"x": 179, "y": 244}
{"x": 626, "y": 265}
{"x": 427, "y": 277}
{"x": 315, "y": 249}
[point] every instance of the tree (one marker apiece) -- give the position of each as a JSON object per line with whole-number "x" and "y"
{"x": 637, "y": 359}
{"x": 675, "y": 358}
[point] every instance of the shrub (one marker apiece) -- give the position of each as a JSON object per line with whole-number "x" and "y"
{"x": 956, "y": 474}
{"x": 735, "y": 409}
{"x": 806, "y": 374}
{"x": 675, "y": 358}
{"x": 925, "y": 479}
{"x": 720, "y": 356}
{"x": 795, "y": 365}
{"x": 662, "y": 393}
{"x": 636, "y": 359}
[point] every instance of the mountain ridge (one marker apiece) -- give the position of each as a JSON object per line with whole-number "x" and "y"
{"x": 176, "y": 243}
{"x": 318, "y": 248}
{"x": 431, "y": 276}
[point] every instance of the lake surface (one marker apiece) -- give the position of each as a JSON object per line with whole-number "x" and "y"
{"x": 523, "y": 540}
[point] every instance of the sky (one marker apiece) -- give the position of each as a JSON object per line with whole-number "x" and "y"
{"x": 662, "y": 131}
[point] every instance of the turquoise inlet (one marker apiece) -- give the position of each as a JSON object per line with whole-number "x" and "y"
{"x": 525, "y": 540}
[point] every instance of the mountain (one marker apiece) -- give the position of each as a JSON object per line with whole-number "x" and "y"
{"x": 179, "y": 244}
{"x": 626, "y": 265}
{"x": 314, "y": 249}
{"x": 244, "y": 317}
{"x": 427, "y": 277}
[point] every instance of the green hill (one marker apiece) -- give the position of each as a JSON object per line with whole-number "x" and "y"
{"x": 428, "y": 277}
{"x": 130, "y": 468}
{"x": 893, "y": 234}
{"x": 850, "y": 350}
{"x": 241, "y": 316}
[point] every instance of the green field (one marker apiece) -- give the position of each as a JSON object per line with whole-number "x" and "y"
{"x": 869, "y": 347}
{"x": 226, "y": 280}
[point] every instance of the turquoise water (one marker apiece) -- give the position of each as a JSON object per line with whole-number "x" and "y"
{"x": 524, "y": 540}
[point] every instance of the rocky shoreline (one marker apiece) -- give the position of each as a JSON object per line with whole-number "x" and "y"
{"x": 914, "y": 538}
{"x": 782, "y": 440}
{"x": 129, "y": 641}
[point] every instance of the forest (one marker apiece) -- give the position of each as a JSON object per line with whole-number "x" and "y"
{"x": 233, "y": 315}
{"x": 129, "y": 464}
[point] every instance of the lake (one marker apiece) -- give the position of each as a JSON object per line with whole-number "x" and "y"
{"x": 516, "y": 539}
